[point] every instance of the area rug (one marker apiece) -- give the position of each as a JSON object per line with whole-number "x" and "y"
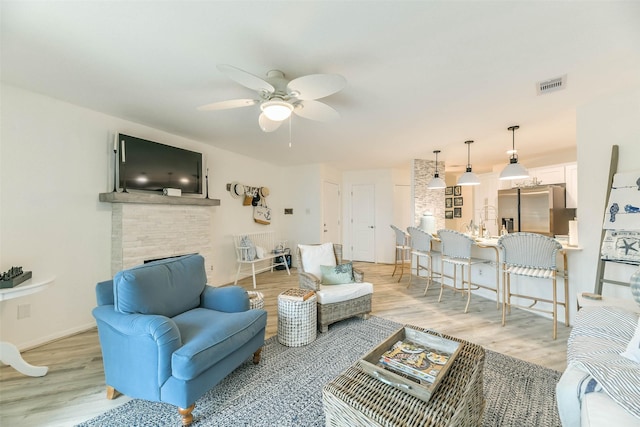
{"x": 285, "y": 389}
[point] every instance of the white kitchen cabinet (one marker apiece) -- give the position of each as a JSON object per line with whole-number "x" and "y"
{"x": 485, "y": 202}
{"x": 547, "y": 175}
{"x": 571, "y": 176}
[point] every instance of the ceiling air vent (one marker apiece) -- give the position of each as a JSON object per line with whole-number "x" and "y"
{"x": 551, "y": 85}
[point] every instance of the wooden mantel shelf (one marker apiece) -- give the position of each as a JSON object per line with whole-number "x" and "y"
{"x": 156, "y": 199}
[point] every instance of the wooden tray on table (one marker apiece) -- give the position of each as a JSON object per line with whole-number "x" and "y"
{"x": 412, "y": 361}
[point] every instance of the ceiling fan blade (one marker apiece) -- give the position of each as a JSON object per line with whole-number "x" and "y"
{"x": 225, "y": 105}
{"x": 315, "y": 86}
{"x": 246, "y": 79}
{"x": 316, "y": 110}
{"x": 268, "y": 125}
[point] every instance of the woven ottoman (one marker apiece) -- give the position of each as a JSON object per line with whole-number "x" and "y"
{"x": 297, "y": 317}
{"x": 256, "y": 300}
{"x": 356, "y": 399}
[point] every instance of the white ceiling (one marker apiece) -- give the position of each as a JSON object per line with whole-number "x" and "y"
{"x": 422, "y": 75}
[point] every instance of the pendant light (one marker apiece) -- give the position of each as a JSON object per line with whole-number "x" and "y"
{"x": 437, "y": 182}
{"x": 468, "y": 178}
{"x": 514, "y": 170}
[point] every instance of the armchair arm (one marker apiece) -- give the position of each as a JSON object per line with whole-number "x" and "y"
{"x": 135, "y": 349}
{"x": 104, "y": 292}
{"x": 308, "y": 281}
{"x": 229, "y": 299}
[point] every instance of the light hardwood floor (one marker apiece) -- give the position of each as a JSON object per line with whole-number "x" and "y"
{"x": 74, "y": 389}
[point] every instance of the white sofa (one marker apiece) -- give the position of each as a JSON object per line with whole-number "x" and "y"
{"x": 600, "y": 387}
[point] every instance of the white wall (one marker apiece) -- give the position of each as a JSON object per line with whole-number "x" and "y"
{"x": 613, "y": 120}
{"x": 302, "y": 188}
{"x": 55, "y": 159}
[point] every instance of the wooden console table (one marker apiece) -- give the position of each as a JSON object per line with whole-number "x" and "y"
{"x": 9, "y": 353}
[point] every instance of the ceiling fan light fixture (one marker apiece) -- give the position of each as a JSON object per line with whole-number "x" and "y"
{"x": 436, "y": 182}
{"x": 513, "y": 170}
{"x": 468, "y": 178}
{"x": 276, "y": 110}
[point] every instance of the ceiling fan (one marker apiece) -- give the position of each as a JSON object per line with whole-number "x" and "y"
{"x": 279, "y": 97}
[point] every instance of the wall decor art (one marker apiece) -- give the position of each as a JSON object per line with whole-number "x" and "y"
{"x": 448, "y": 202}
{"x": 457, "y": 212}
{"x": 457, "y": 190}
{"x": 457, "y": 201}
{"x": 448, "y": 191}
{"x": 448, "y": 214}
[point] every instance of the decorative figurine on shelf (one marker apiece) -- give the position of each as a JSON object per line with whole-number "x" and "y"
{"x": 206, "y": 181}
{"x": 13, "y": 277}
{"x": 115, "y": 163}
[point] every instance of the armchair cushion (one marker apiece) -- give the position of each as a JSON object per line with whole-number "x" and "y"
{"x": 337, "y": 275}
{"x": 166, "y": 287}
{"x": 208, "y": 336}
{"x": 329, "y": 294}
{"x": 313, "y": 256}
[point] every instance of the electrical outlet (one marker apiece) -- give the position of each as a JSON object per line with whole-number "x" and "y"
{"x": 24, "y": 311}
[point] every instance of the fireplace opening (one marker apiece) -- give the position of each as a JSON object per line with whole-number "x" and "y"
{"x": 146, "y": 261}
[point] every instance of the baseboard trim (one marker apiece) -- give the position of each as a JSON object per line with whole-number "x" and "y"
{"x": 55, "y": 337}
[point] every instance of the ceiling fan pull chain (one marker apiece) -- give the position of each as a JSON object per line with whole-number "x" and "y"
{"x": 290, "y": 118}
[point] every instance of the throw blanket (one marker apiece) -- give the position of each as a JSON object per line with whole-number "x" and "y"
{"x": 595, "y": 344}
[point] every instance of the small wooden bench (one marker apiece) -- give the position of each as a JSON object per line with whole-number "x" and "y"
{"x": 246, "y": 254}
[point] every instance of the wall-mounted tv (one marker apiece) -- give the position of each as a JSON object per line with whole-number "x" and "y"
{"x": 151, "y": 166}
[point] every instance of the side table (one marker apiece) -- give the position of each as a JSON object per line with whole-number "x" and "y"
{"x": 9, "y": 353}
{"x": 256, "y": 300}
{"x": 297, "y": 318}
{"x": 354, "y": 398}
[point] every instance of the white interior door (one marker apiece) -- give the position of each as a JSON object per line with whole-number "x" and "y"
{"x": 363, "y": 222}
{"x": 331, "y": 213}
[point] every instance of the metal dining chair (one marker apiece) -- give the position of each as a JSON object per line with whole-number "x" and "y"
{"x": 533, "y": 255}
{"x": 456, "y": 250}
{"x": 421, "y": 248}
{"x": 403, "y": 248}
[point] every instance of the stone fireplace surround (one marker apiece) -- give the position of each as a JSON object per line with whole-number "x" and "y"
{"x": 144, "y": 229}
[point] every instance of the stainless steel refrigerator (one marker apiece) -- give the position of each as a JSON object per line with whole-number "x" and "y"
{"x": 541, "y": 209}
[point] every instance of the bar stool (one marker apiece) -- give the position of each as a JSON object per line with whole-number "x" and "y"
{"x": 456, "y": 250}
{"x": 402, "y": 250}
{"x": 533, "y": 255}
{"x": 421, "y": 248}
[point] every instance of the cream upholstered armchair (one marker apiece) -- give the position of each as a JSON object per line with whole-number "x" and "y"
{"x": 339, "y": 287}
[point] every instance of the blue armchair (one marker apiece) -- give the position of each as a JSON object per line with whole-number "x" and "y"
{"x": 168, "y": 337}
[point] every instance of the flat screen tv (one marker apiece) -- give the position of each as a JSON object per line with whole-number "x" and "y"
{"x": 151, "y": 166}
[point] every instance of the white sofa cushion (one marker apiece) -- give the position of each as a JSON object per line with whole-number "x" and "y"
{"x": 313, "y": 256}
{"x": 599, "y": 410}
{"x": 598, "y": 337}
{"x": 329, "y": 294}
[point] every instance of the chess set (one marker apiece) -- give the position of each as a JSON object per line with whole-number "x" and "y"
{"x": 13, "y": 277}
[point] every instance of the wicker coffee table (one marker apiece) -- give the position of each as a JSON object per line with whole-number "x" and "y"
{"x": 297, "y": 319}
{"x": 354, "y": 398}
